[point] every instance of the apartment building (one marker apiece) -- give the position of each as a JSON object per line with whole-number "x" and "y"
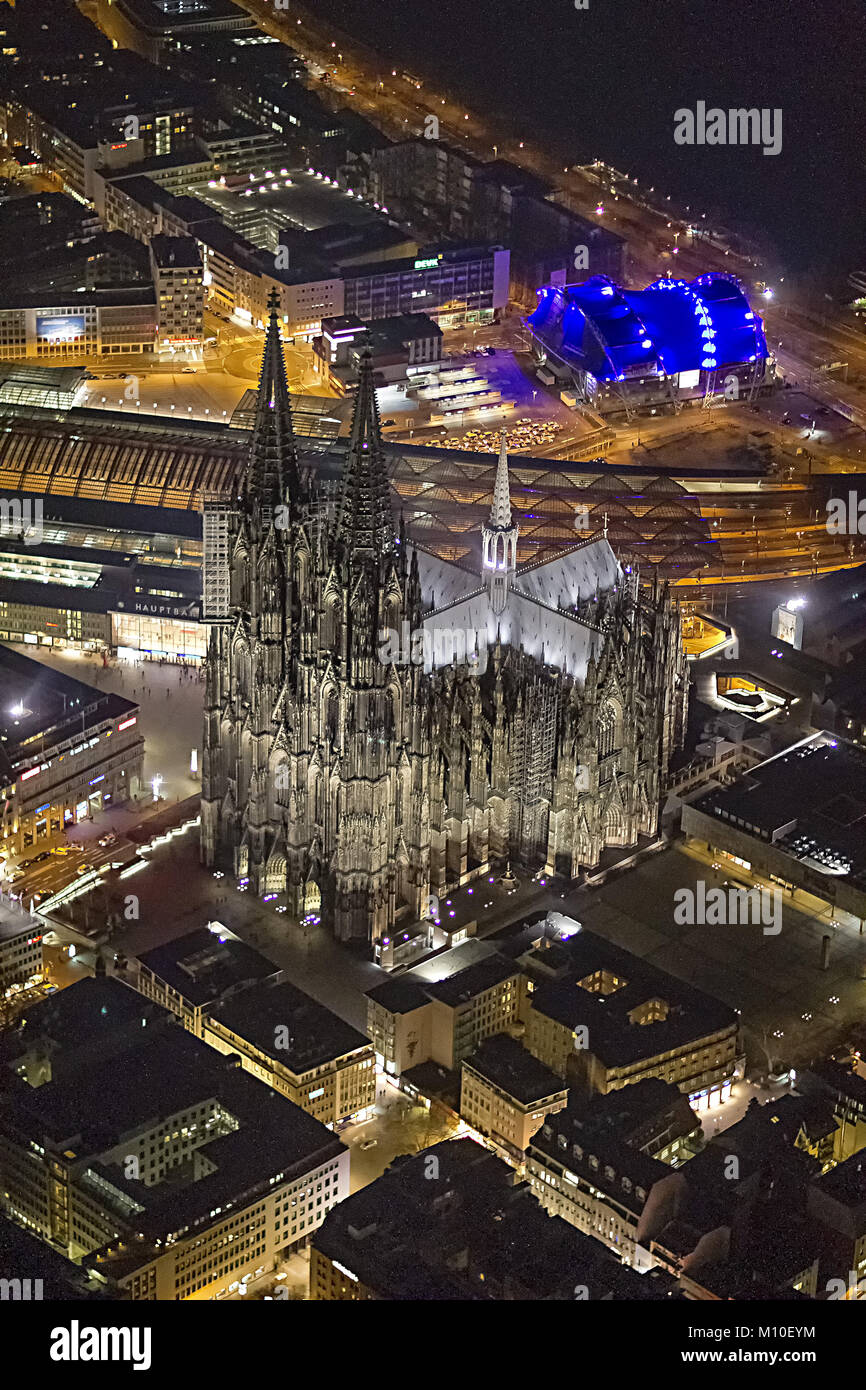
{"x": 177, "y": 278}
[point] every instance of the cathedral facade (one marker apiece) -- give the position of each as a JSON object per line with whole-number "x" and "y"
{"x": 382, "y": 725}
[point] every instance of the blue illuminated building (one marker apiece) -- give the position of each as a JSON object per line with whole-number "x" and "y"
{"x": 674, "y": 340}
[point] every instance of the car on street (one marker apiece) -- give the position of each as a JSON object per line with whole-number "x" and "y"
{"x": 369, "y": 1144}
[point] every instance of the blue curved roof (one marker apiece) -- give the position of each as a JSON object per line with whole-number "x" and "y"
{"x": 671, "y": 326}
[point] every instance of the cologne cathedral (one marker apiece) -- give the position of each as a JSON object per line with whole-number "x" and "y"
{"x": 357, "y": 773}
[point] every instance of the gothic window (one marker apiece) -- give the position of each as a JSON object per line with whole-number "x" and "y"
{"x": 300, "y": 578}
{"x": 445, "y": 775}
{"x": 613, "y": 825}
{"x": 312, "y": 901}
{"x": 609, "y": 729}
{"x": 330, "y": 625}
{"x": 333, "y": 715}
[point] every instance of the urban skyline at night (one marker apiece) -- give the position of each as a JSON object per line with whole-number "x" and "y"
{"x": 432, "y": 668}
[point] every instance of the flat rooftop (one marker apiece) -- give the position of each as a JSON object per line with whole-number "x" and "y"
{"x": 474, "y": 980}
{"x": 205, "y": 964}
{"x": 169, "y": 15}
{"x": 41, "y": 707}
{"x": 402, "y": 993}
{"x": 254, "y": 1134}
{"x": 178, "y": 252}
{"x": 502, "y": 1061}
{"x": 608, "y": 990}
{"x": 305, "y": 202}
{"x": 846, "y": 1183}
{"x": 14, "y": 922}
{"x": 316, "y": 1034}
{"x": 810, "y": 802}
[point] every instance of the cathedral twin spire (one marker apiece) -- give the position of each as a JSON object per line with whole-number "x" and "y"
{"x": 273, "y": 477}
{"x": 365, "y": 520}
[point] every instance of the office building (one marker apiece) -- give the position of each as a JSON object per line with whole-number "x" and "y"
{"x": 157, "y": 30}
{"x": 20, "y": 945}
{"x": 443, "y": 1010}
{"x": 596, "y": 1163}
{"x": 452, "y": 1224}
{"x": 603, "y": 1019}
{"x": 798, "y": 819}
{"x": 91, "y": 323}
{"x": 300, "y": 1048}
{"x": 401, "y": 348}
{"x": 464, "y": 285}
{"x": 67, "y": 750}
{"x": 166, "y": 1170}
{"x": 194, "y": 973}
{"x": 506, "y": 1093}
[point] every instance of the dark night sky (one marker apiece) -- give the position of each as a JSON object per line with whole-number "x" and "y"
{"x": 607, "y": 81}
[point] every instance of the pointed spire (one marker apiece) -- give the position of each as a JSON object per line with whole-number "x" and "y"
{"x": 366, "y": 521}
{"x": 499, "y": 536}
{"x": 500, "y": 512}
{"x": 273, "y": 479}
